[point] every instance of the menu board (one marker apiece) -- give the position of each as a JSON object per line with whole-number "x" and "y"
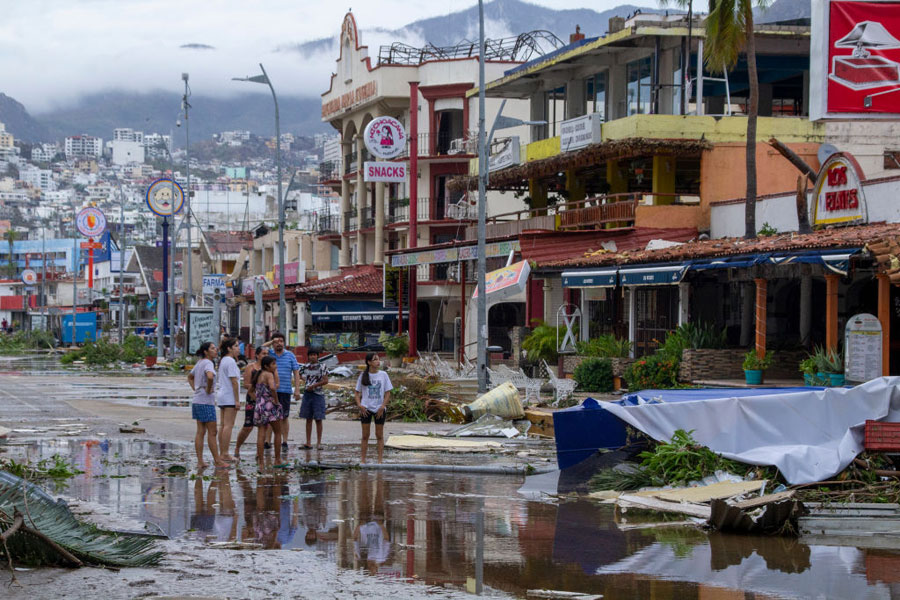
{"x": 201, "y": 328}
{"x": 862, "y": 348}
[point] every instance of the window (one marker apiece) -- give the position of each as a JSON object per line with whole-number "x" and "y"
{"x": 638, "y": 74}
{"x": 596, "y": 94}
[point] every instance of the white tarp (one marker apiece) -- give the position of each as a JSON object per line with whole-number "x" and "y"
{"x": 809, "y": 435}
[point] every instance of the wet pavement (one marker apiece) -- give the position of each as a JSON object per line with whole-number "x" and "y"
{"x": 421, "y": 534}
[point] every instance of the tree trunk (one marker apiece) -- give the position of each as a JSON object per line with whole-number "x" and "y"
{"x": 752, "y": 114}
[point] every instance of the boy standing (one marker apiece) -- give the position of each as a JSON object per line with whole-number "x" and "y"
{"x": 312, "y": 408}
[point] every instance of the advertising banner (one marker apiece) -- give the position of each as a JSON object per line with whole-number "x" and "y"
{"x": 855, "y": 59}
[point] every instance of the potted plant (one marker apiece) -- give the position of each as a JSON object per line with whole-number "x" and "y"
{"x": 754, "y": 365}
{"x": 150, "y": 356}
{"x": 808, "y": 368}
{"x": 396, "y": 347}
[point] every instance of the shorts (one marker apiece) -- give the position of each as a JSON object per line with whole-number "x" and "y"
{"x": 204, "y": 413}
{"x": 312, "y": 406}
{"x": 285, "y": 400}
{"x": 248, "y": 411}
{"x": 368, "y": 418}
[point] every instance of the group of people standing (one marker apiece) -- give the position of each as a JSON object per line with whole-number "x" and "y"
{"x": 271, "y": 382}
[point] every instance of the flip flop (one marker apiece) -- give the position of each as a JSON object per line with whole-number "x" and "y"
{"x": 306, "y": 447}
{"x": 282, "y": 466}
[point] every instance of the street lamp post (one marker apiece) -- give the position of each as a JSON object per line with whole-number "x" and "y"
{"x": 264, "y": 78}
{"x": 481, "y": 309}
{"x": 189, "y": 286}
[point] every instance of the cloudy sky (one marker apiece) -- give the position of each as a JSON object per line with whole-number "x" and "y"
{"x": 53, "y": 51}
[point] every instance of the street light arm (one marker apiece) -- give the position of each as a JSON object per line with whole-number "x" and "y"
{"x": 490, "y": 136}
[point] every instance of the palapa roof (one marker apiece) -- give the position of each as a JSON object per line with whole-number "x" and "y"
{"x": 589, "y": 156}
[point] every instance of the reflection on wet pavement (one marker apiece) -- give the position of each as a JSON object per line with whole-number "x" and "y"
{"x": 460, "y": 531}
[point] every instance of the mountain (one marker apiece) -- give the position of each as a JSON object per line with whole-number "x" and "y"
{"x": 513, "y": 16}
{"x": 99, "y": 114}
{"x": 21, "y": 124}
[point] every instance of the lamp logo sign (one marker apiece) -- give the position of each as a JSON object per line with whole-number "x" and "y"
{"x": 385, "y": 137}
{"x": 90, "y": 222}
{"x": 165, "y": 198}
{"x": 29, "y": 277}
{"x": 861, "y": 41}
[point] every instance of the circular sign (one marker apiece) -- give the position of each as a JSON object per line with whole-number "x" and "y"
{"x": 29, "y": 277}
{"x": 385, "y": 137}
{"x": 91, "y": 222}
{"x": 159, "y": 198}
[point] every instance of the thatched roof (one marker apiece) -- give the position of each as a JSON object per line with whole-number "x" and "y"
{"x": 589, "y": 156}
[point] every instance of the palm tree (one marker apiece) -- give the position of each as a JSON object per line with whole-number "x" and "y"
{"x": 10, "y": 236}
{"x": 729, "y": 31}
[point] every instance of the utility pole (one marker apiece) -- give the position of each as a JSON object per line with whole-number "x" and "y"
{"x": 122, "y": 310}
{"x": 170, "y": 296}
{"x": 44, "y": 277}
{"x": 481, "y": 334}
{"x": 77, "y": 256}
{"x": 189, "y": 286}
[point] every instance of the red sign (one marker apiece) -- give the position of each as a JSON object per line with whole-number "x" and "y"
{"x": 861, "y": 78}
{"x": 838, "y": 194}
{"x": 385, "y": 171}
{"x": 91, "y": 246}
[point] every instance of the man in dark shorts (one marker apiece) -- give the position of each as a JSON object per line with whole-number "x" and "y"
{"x": 288, "y": 381}
{"x": 313, "y": 406}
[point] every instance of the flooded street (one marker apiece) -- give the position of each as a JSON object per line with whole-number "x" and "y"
{"x": 421, "y": 534}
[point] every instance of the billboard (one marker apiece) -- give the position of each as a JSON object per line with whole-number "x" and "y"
{"x": 855, "y": 59}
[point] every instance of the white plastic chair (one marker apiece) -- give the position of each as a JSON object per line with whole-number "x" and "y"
{"x": 562, "y": 388}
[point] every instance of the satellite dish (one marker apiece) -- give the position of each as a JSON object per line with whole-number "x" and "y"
{"x": 826, "y": 150}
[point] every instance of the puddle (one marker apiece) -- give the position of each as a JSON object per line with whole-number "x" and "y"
{"x": 459, "y": 531}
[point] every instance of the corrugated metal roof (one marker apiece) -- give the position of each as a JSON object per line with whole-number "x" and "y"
{"x": 549, "y": 247}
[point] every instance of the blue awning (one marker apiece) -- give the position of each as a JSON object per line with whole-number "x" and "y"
{"x": 653, "y": 275}
{"x": 835, "y": 260}
{"x": 347, "y": 311}
{"x": 590, "y": 278}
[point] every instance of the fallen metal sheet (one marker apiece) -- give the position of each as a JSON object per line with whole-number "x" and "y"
{"x": 705, "y": 493}
{"x": 420, "y": 442}
{"x": 489, "y": 425}
{"x": 767, "y": 514}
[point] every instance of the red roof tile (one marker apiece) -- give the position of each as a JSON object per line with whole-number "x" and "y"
{"x": 549, "y": 247}
{"x": 365, "y": 280}
{"x": 835, "y": 237}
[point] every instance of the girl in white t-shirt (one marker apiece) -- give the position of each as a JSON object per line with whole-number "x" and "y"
{"x": 373, "y": 392}
{"x": 203, "y": 405}
{"x": 227, "y": 396}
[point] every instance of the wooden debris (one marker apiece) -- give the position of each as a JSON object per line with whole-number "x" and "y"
{"x": 767, "y": 514}
{"x": 235, "y": 546}
{"x": 705, "y": 493}
{"x": 562, "y": 594}
{"x": 131, "y": 429}
{"x": 541, "y": 422}
{"x": 684, "y": 508}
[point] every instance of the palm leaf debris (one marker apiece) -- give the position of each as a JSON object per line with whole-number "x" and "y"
{"x": 50, "y": 534}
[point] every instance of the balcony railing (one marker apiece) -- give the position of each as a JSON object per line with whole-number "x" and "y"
{"x": 350, "y": 221}
{"x": 329, "y": 224}
{"x": 591, "y": 212}
{"x": 444, "y": 144}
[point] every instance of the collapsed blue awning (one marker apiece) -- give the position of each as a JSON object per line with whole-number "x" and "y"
{"x": 834, "y": 260}
{"x": 346, "y": 311}
{"x": 653, "y": 274}
{"x": 595, "y": 278}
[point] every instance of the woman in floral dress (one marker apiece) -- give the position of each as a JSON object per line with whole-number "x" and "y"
{"x": 267, "y": 412}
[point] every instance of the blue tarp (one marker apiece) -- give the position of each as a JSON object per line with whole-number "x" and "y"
{"x": 660, "y": 396}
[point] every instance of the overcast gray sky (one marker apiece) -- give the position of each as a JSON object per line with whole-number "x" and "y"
{"x": 52, "y": 51}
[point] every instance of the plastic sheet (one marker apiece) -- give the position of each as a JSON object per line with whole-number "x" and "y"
{"x": 810, "y": 435}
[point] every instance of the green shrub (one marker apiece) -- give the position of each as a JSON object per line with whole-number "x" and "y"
{"x": 541, "y": 343}
{"x": 134, "y": 349}
{"x": 394, "y": 346}
{"x": 605, "y": 346}
{"x": 752, "y": 362}
{"x": 101, "y": 352}
{"x": 659, "y": 371}
{"x": 594, "y": 375}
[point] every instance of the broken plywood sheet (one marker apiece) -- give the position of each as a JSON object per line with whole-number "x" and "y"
{"x": 701, "y": 511}
{"x": 421, "y": 442}
{"x": 722, "y": 489}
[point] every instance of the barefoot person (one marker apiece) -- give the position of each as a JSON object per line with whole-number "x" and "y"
{"x": 249, "y": 370}
{"x": 267, "y": 409}
{"x": 202, "y": 378}
{"x": 312, "y": 408}
{"x": 227, "y": 396}
{"x": 373, "y": 392}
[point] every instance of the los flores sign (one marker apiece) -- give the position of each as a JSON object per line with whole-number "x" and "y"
{"x": 838, "y": 195}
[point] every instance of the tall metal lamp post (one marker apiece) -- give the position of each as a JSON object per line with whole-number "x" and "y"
{"x": 282, "y": 309}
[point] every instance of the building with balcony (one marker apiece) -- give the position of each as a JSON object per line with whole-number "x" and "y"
{"x": 79, "y": 146}
{"x": 426, "y": 90}
{"x": 638, "y": 142}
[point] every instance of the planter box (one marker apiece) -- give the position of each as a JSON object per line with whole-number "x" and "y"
{"x": 699, "y": 365}
{"x": 570, "y": 361}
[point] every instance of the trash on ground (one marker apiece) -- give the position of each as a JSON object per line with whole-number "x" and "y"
{"x": 764, "y": 514}
{"x": 131, "y": 429}
{"x": 235, "y": 546}
{"x": 561, "y": 595}
{"x": 502, "y": 401}
{"x": 53, "y": 536}
{"x": 626, "y": 501}
{"x": 342, "y": 371}
{"x": 541, "y": 422}
{"x": 706, "y": 493}
{"x": 419, "y": 442}
{"x": 490, "y": 425}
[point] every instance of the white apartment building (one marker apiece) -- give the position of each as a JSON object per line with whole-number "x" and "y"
{"x": 331, "y": 154}
{"x": 234, "y": 138}
{"x": 126, "y": 134}
{"x": 37, "y": 178}
{"x": 43, "y": 152}
{"x": 126, "y": 152}
{"x": 155, "y": 145}
{"x": 83, "y": 145}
